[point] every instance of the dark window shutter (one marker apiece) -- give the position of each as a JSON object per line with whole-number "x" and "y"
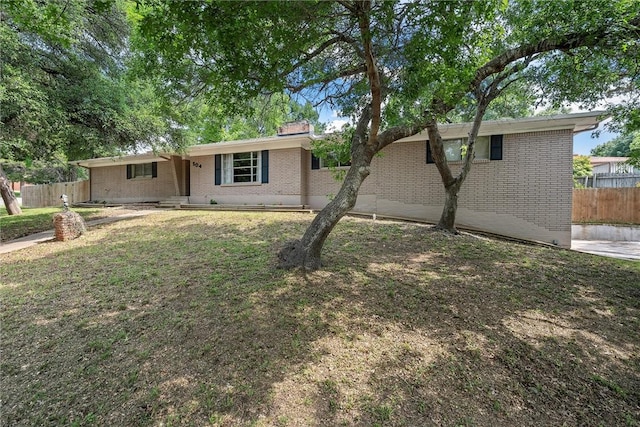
{"x": 265, "y": 166}
{"x": 496, "y": 147}
{"x": 154, "y": 169}
{"x": 129, "y": 171}
{"x": 429, "y": 157}
{"x": 218, "y": 172}
{"x": 315, "y": 162}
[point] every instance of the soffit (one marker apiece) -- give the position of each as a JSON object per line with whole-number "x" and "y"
{"x": 122, "y": 160}
{"x": 578, "y": 122}
{"x": 243, "y": 146}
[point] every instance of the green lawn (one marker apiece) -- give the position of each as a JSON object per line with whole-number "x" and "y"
{"x": 181, "y": 318}
{"x": 34, "y": 220}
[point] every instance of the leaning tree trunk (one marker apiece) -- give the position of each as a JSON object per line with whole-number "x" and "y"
{"x": 448, "y": 218}
{"x": 8, "y": 197}
{"x": 453, "y": 184}
{"x": 305, "y": 253}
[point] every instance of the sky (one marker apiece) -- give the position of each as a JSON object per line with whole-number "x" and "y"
{"x": 582, "y": 142}
{"x": 585, "y": 141}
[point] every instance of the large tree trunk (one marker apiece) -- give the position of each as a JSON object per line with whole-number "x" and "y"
{"x": 8, "y": 197}
{"x": 448, "y": 218}
{"x": 305, "y": 253}
{"x": 452, "y": 184}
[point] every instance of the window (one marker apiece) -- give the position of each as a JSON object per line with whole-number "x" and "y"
{"x": 142, "y": 170}
{"x": 456, "y": 149}
{"x": 332, "y": 162}
{"x": 453, "y": 149}
{"x": 487, "y": 148}
{"x": 242, "y": 168}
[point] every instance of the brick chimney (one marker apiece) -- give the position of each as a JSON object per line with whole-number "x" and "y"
{"x": 295, "y": 128}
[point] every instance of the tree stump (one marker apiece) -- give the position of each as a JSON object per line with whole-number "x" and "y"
{"x": 68, "y": 225}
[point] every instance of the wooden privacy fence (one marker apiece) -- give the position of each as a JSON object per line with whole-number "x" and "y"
{"x": 606, "y": 205}
{"x": 43, "y": 195}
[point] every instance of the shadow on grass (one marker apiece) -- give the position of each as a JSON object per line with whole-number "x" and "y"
{"x": 182, "y": 319}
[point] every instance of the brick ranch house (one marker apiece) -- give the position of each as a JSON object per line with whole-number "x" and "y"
{"x": 520, "y": 184}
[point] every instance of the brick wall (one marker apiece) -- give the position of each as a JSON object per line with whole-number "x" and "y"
{"x": 284, "y": 186}
{"x": 527, "y": 194}
{"x": 111, "y": 184}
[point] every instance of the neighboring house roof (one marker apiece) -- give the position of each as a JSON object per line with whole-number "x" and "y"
{"x": 578, "y": 122}
{"x": 604, "y": 160}
{"x": 612, "y": 165}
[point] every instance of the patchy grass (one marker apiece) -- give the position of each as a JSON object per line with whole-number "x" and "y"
{"x": 180, "y": 318}
{"x": 35, "y": 220}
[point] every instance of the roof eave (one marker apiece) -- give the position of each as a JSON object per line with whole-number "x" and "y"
{"x": 577, "y": 122}
{"x": 269, "y": 143}
{"x": 122, "y": 160}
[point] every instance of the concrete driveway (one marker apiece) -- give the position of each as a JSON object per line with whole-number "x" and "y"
{"x": 622, "y": 250}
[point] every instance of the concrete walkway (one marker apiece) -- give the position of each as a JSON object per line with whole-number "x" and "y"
{"x": 33, "y": 239}
{"x": 608, "y": 248}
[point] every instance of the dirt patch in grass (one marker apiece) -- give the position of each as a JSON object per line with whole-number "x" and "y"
{"x": 181, "y": 318}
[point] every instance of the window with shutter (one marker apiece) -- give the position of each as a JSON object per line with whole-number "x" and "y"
{"x": 315, "y": 162}
{"x": 241, "y": 168}
{"x": 142, "y": 170}
{"x": 487, "y": 148}
{"x": 496, "y": 147}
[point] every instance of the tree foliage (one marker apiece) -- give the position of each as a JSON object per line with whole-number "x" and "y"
{"x": 581, "y": 167}
{"x": 65, "y": 91}
{"x": 625, "y": 145}
{"x": 634, "y": 150}
{"x": 619, "y": 146}
{"x": 40, "y": 172}
{"x": 260, "y": 117}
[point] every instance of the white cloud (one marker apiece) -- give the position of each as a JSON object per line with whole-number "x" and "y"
{"x": 336, "y": 125}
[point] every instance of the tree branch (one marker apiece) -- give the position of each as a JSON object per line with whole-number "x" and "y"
{"x": 499, "y": 63}
{"x": 373, "y": 74}
{"x": 319, "y": 50}
{"x": 328, "y": 79}
{"x": 437, "y": 152}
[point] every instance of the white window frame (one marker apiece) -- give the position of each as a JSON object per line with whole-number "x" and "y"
{"x": 242, "y": 168}
{"x": 453, "y": 149}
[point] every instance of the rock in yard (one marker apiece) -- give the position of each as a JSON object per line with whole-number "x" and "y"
{"x": 68, "y": 225}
